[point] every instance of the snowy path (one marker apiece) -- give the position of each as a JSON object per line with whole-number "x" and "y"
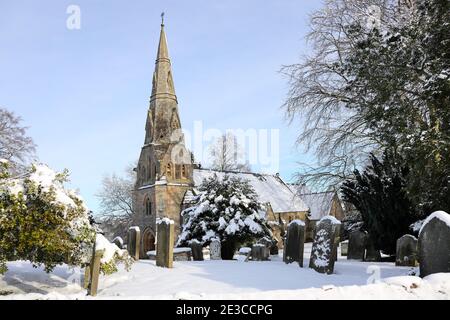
{"x": 227, "y": 280}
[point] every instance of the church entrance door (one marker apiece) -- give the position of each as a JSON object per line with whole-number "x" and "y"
{"x": 148, "y": 241}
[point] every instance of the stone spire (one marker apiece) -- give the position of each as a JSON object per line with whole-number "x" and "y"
{"x": 163, "y": 116}
{"x": 162, "y": 79}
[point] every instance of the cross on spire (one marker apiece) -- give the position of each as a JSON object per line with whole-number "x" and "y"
{"x": 162, "y": 19}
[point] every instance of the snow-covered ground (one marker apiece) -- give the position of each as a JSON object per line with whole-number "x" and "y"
{"x": 228, "y": 280}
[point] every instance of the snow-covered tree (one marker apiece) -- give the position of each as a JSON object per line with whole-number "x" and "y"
{"x": 228, "y": 210}
{"x": 15, "y": 145}
{"x": 378, "y": 84}
{"x": 43, "y": 222}
{"x": 401, "y": 76}
{"x": 227, "y": 155}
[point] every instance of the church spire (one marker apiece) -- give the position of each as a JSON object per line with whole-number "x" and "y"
{"x": 162, "y": 79}
{"x": 163, "y": 118}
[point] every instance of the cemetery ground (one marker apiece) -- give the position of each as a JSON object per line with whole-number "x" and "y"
{"x": 230, "y": 280}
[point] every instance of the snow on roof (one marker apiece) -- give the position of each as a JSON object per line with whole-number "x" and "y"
{"x": 441, "y": 215}
{"x": 190, "y": 197}
{"x": 269, "y": 188}
{"x": 319, "y": 203}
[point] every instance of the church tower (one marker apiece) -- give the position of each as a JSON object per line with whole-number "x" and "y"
{"x": 164, "y": 171}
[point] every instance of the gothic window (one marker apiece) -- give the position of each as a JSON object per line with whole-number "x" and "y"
{"x": 148, "y": 207}
{"x": 169, "y": 170}
{"x": 177, "y": 171}
{"x": 183, "y": 171}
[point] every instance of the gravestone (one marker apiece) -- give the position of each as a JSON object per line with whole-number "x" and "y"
{"x": 434, "y": 244}
{"x": 118, "y": 242}
{"x": 344, "y": 248}
{"x": 164, "y": 247}
{"x": 134, "y": 242}
{"x": 274, "y": 249}
{"x": 295, "y": 241}
{"x": 197, "y": 250}
{"x": 325, "y": 245}
{"x": 260, "y": 252}
{"x": 357, "y": 245}
{"x": 406, "y": 251}
{"x": 372, "y": 254}
{"x": 94, "y": 272}
{"x": 215, "y": 250}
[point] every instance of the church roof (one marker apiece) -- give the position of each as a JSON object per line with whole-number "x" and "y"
{"x": 270, "y": 189}
{"x": 319, "y": 203}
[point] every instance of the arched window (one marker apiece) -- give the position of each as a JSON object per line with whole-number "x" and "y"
{"x": 148, "y": 207}
{"x": 183, "y": 171}
{"x": 169, "y": 170}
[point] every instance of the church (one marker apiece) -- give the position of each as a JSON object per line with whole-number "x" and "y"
{"x": 167, "y": 178}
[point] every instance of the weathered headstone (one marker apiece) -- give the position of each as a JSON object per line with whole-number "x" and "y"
{"x": 215, "y": 250}
{"x": 118, "y": 241}
{"x": 197, "y": 250}
{"x": 344, "y": 248}
{"x": 294, "y": 244}
{"x": 164, "y": 246}
{"x": 406, "y": 251}
{"x": 357, "y": 245}
{"x": 325, "y": 245}
{"x": 94, "y": 270}
{"x": 260, "y": 252}
{"x": 134, "y": 242}
{"x": 372, "y": 254}
{"x": 434, "y": 244}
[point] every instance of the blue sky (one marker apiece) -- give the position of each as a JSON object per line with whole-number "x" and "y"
{"x": 84, "y": 93}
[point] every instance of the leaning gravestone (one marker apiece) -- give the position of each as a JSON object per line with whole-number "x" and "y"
{"x": 406, "y": 251}
{"x": 197, "y": 250}
{"x": 357, "y": 245}
{"x": 434, "y": 244}
{"x": 294, "y": 244}
{"x": 215, "y": 250}
{"x": 325, "y": 245}
{"x": 372, "y": 254}
{"x": 260, "y": 252}
{"x": 134, "y": 242}
{"x": 164, "y": 247}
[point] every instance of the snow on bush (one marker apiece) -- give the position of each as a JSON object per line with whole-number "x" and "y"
{"x": 41, "y": 221}
{"x": 227, "y": 209}
{"x": 112, "y": 255}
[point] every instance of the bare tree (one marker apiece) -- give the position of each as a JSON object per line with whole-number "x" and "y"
{"x": 227, "y": 155}
{"x": 318, "y": 97}
{"x": 116, "y": 202}
{"x": 15, "y": 145}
